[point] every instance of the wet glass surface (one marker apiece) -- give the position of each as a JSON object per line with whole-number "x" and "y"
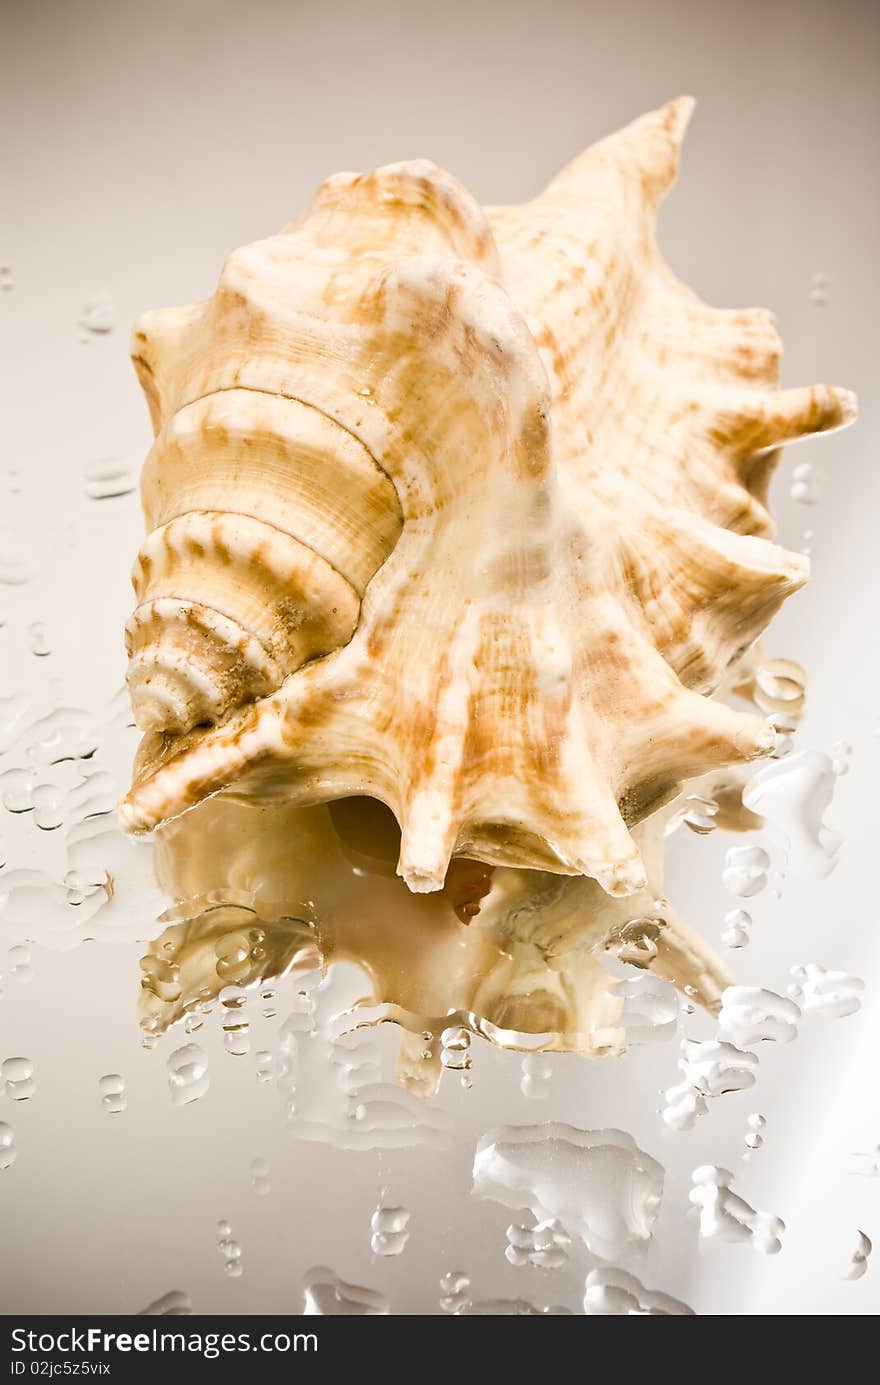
{"x": 241, "y": 1067}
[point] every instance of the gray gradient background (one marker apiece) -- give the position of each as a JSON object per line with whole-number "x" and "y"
{"x": 140, "y": 144}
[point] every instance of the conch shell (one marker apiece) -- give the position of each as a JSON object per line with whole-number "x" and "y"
{"x": 463, "y": 511}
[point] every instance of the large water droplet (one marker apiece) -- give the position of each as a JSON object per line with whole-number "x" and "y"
{"x": 111, "y": 1088}
{"x": 17, "y": 1078}
{"x": 17, "y": 788}
{"x": 806, "y": 483}
{"x": 829, "y": 994}
{"x": 99, "y": 314}
{"x": 544, "y": 1245}
{"x": 725, "y": 1216}
{"x": 792, "y": 795}
{"x": 39, "y": 637}
{"x": 454, "y": 1291}
{"x": 751, "y": 1015}
{"x": 746, "y": 867}
{"x": 737, "y": 928}
{"x": 455, "y": 1045}
{"x": 389, "y": 1228}
{"x": 110, "y": 478}
{"x": 188, "y": 1076}
{"x": 599, "y": 1184}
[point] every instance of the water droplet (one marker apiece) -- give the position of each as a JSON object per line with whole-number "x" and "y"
{"x": 454, "y": 1291}
{"x": 598, "y": 1184}
{"x": 21, "y": 963}
{"x": 859, "y": 1259}
{"x": 537, "y": 1074}
{"x": 326, "y": 1295}
{"x": 79, "y": 887}
{"x": 544, "y": 1245}
{"x": 39, "y": 639}
{"x": 188, "y": 1076}
{"x": 751, "y": 1015}
{"x": 17, "y": 790}
{"x": 780, "y": 686}
{"x": 7, "y": 278}
{"x": 866, "y": 1164}
{"x": 48, "y": 807}
{"x": 390, "y": 1230}
{"x": 792, "y": 796}
{"x": 455, "y": 1043}
{"x": 737, "y": 926}
{"x": 806, "y": 483}
{"x": 109, "y": 478}
{"x": 820, "y": 290}
{"x": 682, "y": 1106}
{"x": 99, "y": 314}
{"x": 725, "y": 1216}
{"x": 711, "y": 1068}
{"x": 829, "y": 994}
{"x": 268, "y": 998}
{"x": 715, "y": 1067}
{"x": 235, "y": 1024}
{"x": 17, "y": 1078}
{"x": 841, "y": 756}
{"x": 233, "y": 998}
{"x": 230, "y": 1249}
{"x": 637, "y": 941}
{"x": 265, "y": 1065}
{"x": 745, "y": 868}
{"x": 112, "y": 1092}
{"x": 233, "y": 952}
{"x": 69, "y": 733}
{"x": 175, "y": 1304}
{"x": 615, "y": 1293}
{"x": 699, "y": 813}
{"x": 650, "y": 1008}
{"x": 161, "y": 978}
{"x": 754, "y": 1137}
{"x": 8, "y": 1152}
{"x": 260, "y": 1176}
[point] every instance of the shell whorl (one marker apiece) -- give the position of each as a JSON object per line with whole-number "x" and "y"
{"x": 578, "y": 452}
{"x": 232, "y": 600}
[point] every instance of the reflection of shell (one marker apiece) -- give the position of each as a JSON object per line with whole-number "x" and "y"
{"x": 508, "y": 469}
{"x": 264, "y": 892}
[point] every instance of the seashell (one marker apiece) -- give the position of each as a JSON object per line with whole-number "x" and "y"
{"x": 463, "y": 511}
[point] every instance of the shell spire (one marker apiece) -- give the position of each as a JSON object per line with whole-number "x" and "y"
{"x": 463, "y": 511}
